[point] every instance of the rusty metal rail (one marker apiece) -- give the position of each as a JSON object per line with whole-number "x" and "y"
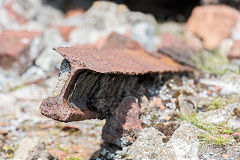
{"x": 93, "y": 82}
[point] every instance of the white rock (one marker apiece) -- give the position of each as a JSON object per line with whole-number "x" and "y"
{"x": 31, "y": 149}
{"x": 222, "y": 115}
{"x": 106, "y": 17}
{"x": 225, "y": 46}
{"x": 183, "y": 145}
{"x": 33, "y": 73}
{"x": 229, "y": 84}
{"x": 147, "y": 146}
{"x": 236, "y": 31}
{"x": 144, "y": 33}
{"x": 48, "y": 15}
{"x": 49, "y": 60}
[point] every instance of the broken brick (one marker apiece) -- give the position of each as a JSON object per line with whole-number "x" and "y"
{"x": 118, "y": 41}
{"x": 118, "y": 72}
{"x": 3, "y": 132}
{"x": 156, "y": 102}
{"x": 74, "y": 12}
{"x": 65, "y": 31}
{"x": 15, "y": 50}
{"x": 174, "y": 48}
{"x": 212, "y": 23}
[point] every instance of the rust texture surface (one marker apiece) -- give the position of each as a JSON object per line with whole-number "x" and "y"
{"x": 93, "y": 82}
{"x": 118, "y": 61}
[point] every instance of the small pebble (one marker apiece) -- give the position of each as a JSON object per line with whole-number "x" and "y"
{"x": 211, "y": 153}
{"x": 235, "y": 136}
{"x": 225, "y": 156}
{"x": 110, "y": 156}
{"x": 103, "y": 152}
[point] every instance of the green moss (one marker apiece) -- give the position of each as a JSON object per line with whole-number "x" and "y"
{"x": 215, "y": 103}
{"x": 8, "y": 151}
{"x": 219, "y": 102}
{"x": 213, "y": 139}
{"x": 73, "y": 158}
{"x": 17, "y": 87}
{"x": 212, "y": 133}
{"x": 213, "y": 62}
{"x": 152, "y": 117}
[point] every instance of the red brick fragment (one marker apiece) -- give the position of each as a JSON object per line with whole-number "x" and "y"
{"x": 176, "y": 49}
{"x": 65, "y": 31}
{"x": 74, "y": 12}
{"x": 15, "y": 49}
{"x": 118, "y": 41}
{"x": 212, "y": 23}
{"x": 3, "y": 132}
{"x": 170, "y": 40}
{"x": 103, "y": 61}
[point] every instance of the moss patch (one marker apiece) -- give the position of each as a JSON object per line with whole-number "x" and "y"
{"x": 73, "y": 158}
{"x": 216, "y": 134}
{"x": 213, "y": 62}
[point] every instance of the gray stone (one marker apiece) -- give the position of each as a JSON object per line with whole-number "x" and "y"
{"x": 31, "y": 149}
{"x": 222, "y": 114}
{"x": 171, "y": 27}
{"x": 48, "y": 15}
{"x": 186, "y": 108}
{"x": 105, "y": 17}
{"x": 49, "y": 60}
{"x": 225, "y": 46}
{"x": 144, "y": 33}
{"x": 229, "y": 84}
{"x": 33, "y": 74}
{"x": 235, "y": 32}
{"x": 183, "y": 145}
{"x": 28, "y": 8}
{"x": 147, "y": 146}
{"x": 52, "y": 38}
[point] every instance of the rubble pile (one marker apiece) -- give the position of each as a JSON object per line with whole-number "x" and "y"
{"x": 145, "y": 89}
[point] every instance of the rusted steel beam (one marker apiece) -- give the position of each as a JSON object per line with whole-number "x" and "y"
{"x": 93, "y": 82}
